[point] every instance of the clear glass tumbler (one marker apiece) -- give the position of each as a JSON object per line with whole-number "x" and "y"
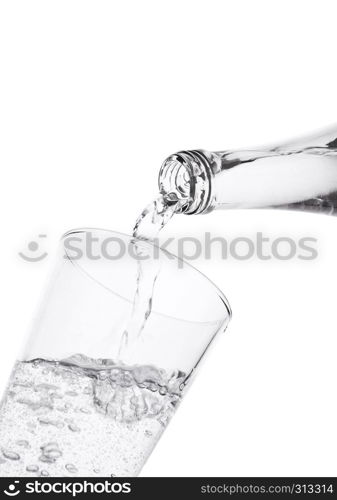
{"x": 119, "y": 334}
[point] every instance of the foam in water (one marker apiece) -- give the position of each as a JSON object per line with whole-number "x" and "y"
{"x": 84, "y": 417}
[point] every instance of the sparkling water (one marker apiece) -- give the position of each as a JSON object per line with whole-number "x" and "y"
{"x": 84, "y": 417}
{"x": 87, "y": 417}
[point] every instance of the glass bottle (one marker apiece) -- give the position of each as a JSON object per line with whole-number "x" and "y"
{"x": 298, "y": 175}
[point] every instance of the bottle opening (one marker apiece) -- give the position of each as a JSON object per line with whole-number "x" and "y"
{"x": 187, "y": 176}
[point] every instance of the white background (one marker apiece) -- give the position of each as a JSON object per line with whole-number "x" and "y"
{"x": 93, "y": 96}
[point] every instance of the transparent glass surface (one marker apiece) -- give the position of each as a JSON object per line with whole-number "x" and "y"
{"x": 297, "y": 175}
{"x": 119, "y": 333}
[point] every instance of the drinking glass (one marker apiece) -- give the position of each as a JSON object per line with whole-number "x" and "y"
{"x": 121, "y": 329}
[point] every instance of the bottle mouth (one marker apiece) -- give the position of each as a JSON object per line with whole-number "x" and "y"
{"x": 186, "y": 176}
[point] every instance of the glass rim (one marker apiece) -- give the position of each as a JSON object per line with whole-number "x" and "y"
{"x": 216, "y": 289}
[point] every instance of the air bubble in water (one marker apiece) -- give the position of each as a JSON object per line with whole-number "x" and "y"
{"x": 23, "y": 443}
{"x": 47, "y": 421}
{"x": 74, "y": 428}
{"x": 50, "y": 453}
{"x": 11, "y": 455}
{"x": 71, "y": 468}
{"x": 32, "y": 468}
{"x": 49, "y": 446}
{"x": 54, "y": 454}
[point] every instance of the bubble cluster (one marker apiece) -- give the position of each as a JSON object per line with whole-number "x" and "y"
{"x": 50, "y": 452}
{"x": 84, "y": 417}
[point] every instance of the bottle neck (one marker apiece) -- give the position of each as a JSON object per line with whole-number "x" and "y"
{"x": 299, "y": 175}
